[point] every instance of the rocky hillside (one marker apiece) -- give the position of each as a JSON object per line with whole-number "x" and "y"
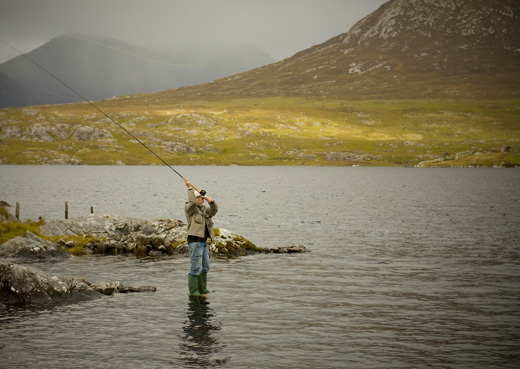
{"x": 405, "y": 49}
{"x": 102, "y": 68}
{"x": 415, "y": 83}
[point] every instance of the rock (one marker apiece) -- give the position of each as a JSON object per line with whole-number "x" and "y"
{"x": 87, "y": 133}
{"x": 56, "y": 228}
{"x": 108, "y": 288}
{"x": 290, "y": 249}
{"x": 138, "y": 289}
{"x": 25, "y": 285}
{"x": 32, "y": 247}
{"x": 28, "y": 285}
{"x": 232, "y": 244}
{"x": 96, "y": 225}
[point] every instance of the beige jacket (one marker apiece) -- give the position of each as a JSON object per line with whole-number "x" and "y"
{"x": 199, "y": 217}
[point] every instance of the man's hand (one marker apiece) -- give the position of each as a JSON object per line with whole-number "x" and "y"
{"x": 209, "y": 199}
{"x": 188, "y": 183}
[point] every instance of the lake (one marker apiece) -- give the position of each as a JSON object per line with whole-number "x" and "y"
{"x": 409, "y": 268}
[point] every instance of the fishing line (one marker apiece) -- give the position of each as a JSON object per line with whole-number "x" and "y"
{"x": 94, "y": 106}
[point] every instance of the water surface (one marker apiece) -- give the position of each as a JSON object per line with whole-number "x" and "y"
{"x": 410, "y": 268}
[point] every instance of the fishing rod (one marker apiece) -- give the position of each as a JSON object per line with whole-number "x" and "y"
{"x": 202, "y": 192}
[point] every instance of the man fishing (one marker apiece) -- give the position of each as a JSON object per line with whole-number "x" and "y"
{"x": 200, "y": 228}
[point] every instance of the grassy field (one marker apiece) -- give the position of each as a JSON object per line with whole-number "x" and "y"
{"x": 272, "y": 131}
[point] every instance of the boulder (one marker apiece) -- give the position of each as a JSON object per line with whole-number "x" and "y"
{"x": 87, "y": 133}
{"x": 28, "y": 285}
{"x": 32, "y": 247}
{"x": 108, "y": 226}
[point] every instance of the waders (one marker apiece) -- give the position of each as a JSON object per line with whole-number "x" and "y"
{"x": 197, "y": 284}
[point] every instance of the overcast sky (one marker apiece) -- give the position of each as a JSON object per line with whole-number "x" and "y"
{"x": 279, "y": 27}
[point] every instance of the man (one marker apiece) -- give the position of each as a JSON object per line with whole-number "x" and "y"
{"x": 200, "y": 228}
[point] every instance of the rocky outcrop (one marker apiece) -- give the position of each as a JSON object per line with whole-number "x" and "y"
{"x": 28, "y": 285}
{"x": 112, "y": 235}
{"x": 87, "y": 133}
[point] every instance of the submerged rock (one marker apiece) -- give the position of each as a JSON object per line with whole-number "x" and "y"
{"x": 109, "y": 288}
{"x": 28, "y": 285}
{"x": 290, "y": 249}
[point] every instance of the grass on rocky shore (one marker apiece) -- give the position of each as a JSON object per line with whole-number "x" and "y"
{"x": 10, "y": 229}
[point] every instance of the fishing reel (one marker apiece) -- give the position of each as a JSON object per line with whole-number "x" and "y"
{"x": 203, "y": 193}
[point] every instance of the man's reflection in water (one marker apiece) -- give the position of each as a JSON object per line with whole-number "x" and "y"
{"x": 198, "y": 346}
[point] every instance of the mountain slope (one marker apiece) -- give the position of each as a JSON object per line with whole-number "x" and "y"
{"x": 416, "y": 83}
{"x": 99, "y": 72}
{"x": 405, "y": 49}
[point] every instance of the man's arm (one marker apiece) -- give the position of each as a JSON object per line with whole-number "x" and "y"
{"x": 192, "y": 200}
{"x": 213, "y": 207}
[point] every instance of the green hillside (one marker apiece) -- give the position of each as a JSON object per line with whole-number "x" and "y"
{"x": 272, "y": 131}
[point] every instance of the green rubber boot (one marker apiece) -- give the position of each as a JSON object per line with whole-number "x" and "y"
{"x": 203, "y": 284}
{"x": 193, "y": 285}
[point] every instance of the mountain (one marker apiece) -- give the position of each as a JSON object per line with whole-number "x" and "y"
{"x": 404, "y": 49}
{"x": 99, "y": 72}
{"x": 10, "y": 92}
{"x": 415, "y": 83}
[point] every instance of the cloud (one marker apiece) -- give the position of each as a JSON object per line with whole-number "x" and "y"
{"x": 279, "y": 27}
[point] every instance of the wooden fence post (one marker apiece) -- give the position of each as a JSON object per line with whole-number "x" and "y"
{"x": 18, "y": 210}
{"x": 91, "y": 210}
{"x": 66, "y": 210}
